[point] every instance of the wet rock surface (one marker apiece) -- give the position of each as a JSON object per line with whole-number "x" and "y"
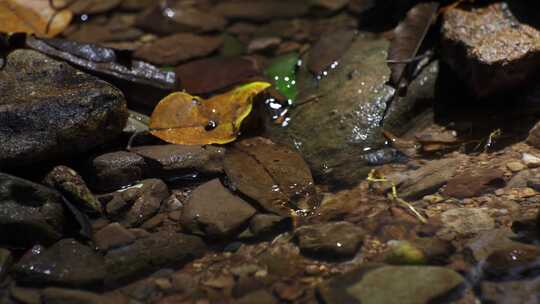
{"x": 404, "y": 284}
{"x": 331, "y": 240}
{"x": 215, "y": 212}
{"x": 319, "y": 198}
{"x": 138, "y": 203}
{"x": 151, "y": 253}
{"x": 30, "y": 213}
{"x": 66, "y": 263}
{"x": 489, "y": 47}
{"x": 467, "y": 220}
{"x": 51, "y": 110}
{"x": 344, "y": 114}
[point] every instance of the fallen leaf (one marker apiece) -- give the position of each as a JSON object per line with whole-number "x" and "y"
{"x": 190, "y": 120}
{"x": 275, "y": 176}
{"x": 282, "y": 71}
{"x": 32, "y": 17}
{"x": 408, "y": 37}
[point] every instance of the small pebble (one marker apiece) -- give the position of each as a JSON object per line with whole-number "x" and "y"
{"x": 433, "y": 199}
{"x": 515, "y": 166}
{"x": 531, "y": 161}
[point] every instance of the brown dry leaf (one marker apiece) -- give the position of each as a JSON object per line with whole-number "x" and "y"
{"x": 275, "y": 176}
{"x": 190, "y": 120}
{"x": 32, "y": 17}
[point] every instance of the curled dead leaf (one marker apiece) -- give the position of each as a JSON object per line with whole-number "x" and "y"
{"x": 32, "y": 17}
{"x": 181, "y": 118}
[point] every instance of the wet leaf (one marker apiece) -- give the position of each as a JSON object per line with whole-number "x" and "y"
{"x": 104, "y": 61}
{"x": 190, "y": 120}
{"x": 282, "y": 71}
{"x": 408, "y": 37}
{"x": 274, "y": 176}
{"x": 326, "y": 53}
{"x": 32, "y": 17}
{"x": 80, "y": 7}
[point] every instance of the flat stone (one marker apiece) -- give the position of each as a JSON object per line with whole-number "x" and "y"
{"x": 156, "y": 251}
{"x": 117, "y": 169}
{"x": 513, "y": 260}
{"x": 513, "y": 292}
{"x": 392, "y": 284}
{"x": 66, "y": 263}
{"x": 172, "y": 50}
{"x": 530, "y": 160}
{"x": 214, "y": 211}
{"x": 29, "y": 213}
{"x": 515, "y": 166}
{"x": 489, "y": 47}
{"x": 474, "y": 182}
{"x": 112, "y": 236}
{"x": 260, "y": 296}
{"x": 72, "y": 186}
{"x": 330, "y": 240}
{"x": 428, "y": 178}
{"x": 50, "y": 110}
{"x": 54, "y": 295}
{"x": 467, "y": 221}
{"x": 480, "y": 247}
{"x": 524, "y": 178}
{"x": 170, "y": 160}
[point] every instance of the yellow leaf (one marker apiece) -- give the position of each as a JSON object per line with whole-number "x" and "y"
{"x": 32, "y": 17}
{"x": 190, "y": 120}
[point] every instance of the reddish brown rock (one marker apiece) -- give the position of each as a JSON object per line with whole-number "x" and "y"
{"x": 489, "y": 47}
{"x": 208, "y": 75}
{"x": 474, "y": 183}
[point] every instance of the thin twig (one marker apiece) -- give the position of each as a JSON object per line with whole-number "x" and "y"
{"x": 393, "y": 195}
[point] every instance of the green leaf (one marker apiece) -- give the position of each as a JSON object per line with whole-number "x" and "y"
{"x": 282, "y": 72}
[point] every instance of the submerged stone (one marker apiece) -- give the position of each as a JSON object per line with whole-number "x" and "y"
{"x": 66, "y": 263}
{"x": 50, "y": 110}
{"x": 392, "y": 284}
{"x": 336, "y": 121}
{"x": 158, "y": 250}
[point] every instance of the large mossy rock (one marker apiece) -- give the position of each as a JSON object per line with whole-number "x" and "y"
{"x": 48, "y": 110}
{"x": 336, "y": 121}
